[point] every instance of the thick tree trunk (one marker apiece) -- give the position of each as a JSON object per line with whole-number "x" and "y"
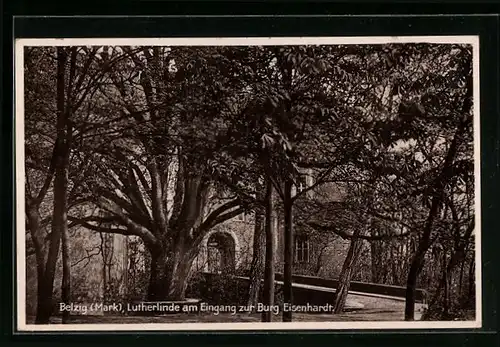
{"x": 173, "y": 246}
{"x": 178, "y": 276}
{"x": 348, "y": 269}
{"x": 44, "y": 304}
{"x": 257, "y": 266}
{"x": 288, "y": 251}
{"x": 169, "y": 274}
{"x": 40, "y": 287}
{"x": 157, "y": 289}
{"x": 59, "y": 220}
{"x": 268, "y": 290}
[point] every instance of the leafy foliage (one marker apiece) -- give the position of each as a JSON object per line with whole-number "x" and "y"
{"x": 169, "y": 142}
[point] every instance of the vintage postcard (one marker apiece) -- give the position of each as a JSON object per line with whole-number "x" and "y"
{"x": 247, "y": 183}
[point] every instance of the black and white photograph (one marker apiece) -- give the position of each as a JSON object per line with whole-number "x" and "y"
{"x": 248, "y": 183}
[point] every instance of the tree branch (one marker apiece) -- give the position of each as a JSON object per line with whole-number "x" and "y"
{"x": 205, "y": 227}
{"x": 212, "y": 218}
{"x": 157, "y": 198}
{"x": 179, "y": 191}
{"x": 135, "y": 214}
{"x": 318, "y": 182}
{"x": 48, "y": 179}
{"x": 132, "y": 227}
{"x": 85, "y": 222}
{"x": 346, "y": 236}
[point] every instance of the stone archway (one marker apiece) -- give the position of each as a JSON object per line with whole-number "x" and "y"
{"x": 221, "y": 253}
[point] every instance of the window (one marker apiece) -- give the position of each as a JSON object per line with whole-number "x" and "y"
{"x": 302, "y": 248}
{"x": 220, "y": 253}
{"x": 241, "y": 217}
{"x": 302, "y": 182}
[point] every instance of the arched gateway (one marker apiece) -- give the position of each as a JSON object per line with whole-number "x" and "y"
{"x": 219, "y": 252}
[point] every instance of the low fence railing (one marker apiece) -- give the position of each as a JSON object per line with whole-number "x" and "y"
{"x": 355, "y": 286}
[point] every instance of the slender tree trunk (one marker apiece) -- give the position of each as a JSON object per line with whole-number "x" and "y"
{"x": 104, "y": 256}
{"x": 257, "y": 266}
{"x": 442, "y": 291}
{"x": 472, "y": 281}
{"x": 458, "y": 256}
{"x": 66, "y": 276}
{"x": 348, "y": 269}
{"x": 424, "y": 244}
{"x": 125, "y": 269}
{"x": 446, "y": 288}
{"x": 461, "y": 279}
{"x": 425, "y": 241}
{"x": 319, "y": 260}
{"x": 376, "y": 263}
{"x": 288, "y": 251}
{"x": 59, "y": 220}
{"x": 268, "y": 290}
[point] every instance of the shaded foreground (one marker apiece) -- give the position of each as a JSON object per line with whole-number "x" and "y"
{"x": 376, "y": 309}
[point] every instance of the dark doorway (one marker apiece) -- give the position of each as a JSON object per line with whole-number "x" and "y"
{"x": 221, "y": 253}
